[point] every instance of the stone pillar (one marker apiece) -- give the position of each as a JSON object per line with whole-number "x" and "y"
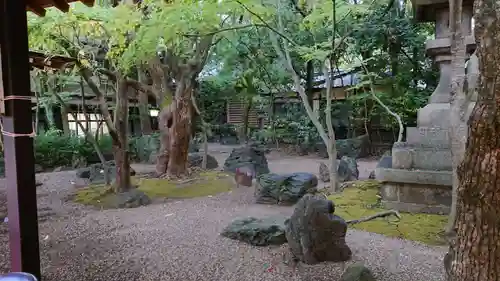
{"x": 417, "y": 177}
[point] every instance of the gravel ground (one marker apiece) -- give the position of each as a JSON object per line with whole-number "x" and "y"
{"x": 179, "y": 240}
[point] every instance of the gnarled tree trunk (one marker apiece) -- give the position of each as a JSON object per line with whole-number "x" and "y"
{"x": 181, "y": 127}
{"x": 476, "y": 253}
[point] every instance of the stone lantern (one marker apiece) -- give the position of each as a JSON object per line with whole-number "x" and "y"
{"x": 418, "y": 175}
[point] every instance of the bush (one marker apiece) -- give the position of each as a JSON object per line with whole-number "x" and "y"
{"x": 53, "y": 149}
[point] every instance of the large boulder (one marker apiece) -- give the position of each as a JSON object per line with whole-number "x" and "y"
{"x": 357, "y": 147}
{"x": 95, "y": 172}
{"x": 284, "y": 189}
{"x": 357, "y": 272}
{"x": 252, "y": 156}
{"x": 315, "y": 234}
{"x": 347, "y": 170}
{"x": 196, "y": 160}
{"x": 257, "y": 232}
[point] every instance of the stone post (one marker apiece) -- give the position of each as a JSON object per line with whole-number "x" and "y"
{"x": 418, "y": 175}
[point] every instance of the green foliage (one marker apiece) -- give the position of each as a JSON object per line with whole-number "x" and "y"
{"x": 53, "y": 149}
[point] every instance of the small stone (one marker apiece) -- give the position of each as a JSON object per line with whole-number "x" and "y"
{"x": 129, "y": 199}
{"x": 257, "y": 232}
{"x": 357, "y": 272}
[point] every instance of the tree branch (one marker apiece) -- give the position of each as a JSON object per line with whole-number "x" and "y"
{"x": 266, "y": 24}
{"x": 377, "y": 215}
{"x": 385, "y": 107}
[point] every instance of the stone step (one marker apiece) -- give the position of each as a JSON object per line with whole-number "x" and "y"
{"x": 421, "y": 157}
{"x": 427, "y": 136}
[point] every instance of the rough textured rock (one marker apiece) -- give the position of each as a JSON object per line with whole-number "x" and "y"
{"x": 196, "y": 159}
{"x": 315, "y": 234}
{"x": 257, "y": 231}
{"x": 347, "y": 170}
{"x": 252, "y": 156}
{"x": 324, "y": 174}
{"x": 357, "y": 147}
{"x": 284, "y": 189}
{"x": 95, "y": 172}
{"x": 130, "y": 199}
{"x": 357, "y": 272}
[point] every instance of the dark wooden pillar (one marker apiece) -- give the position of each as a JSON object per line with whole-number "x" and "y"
{"x": 19, "y": 156}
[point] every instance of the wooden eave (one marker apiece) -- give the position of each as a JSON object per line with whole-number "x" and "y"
{"x": 42, "y": 61}
{"x": 38, "y": 6}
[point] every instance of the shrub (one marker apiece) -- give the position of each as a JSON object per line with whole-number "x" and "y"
{"x": 53, "y": 149}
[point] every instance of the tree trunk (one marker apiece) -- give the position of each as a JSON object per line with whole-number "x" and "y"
{"x": 477, "y": 252}
{"x": 458, "y": 101}
{"x": 180, "y": 131}
{"x": 164, "y": 124}
{"x": 120, "y": 148}
{"x": 144, "y": 107}
{"x": 246, "y": 118}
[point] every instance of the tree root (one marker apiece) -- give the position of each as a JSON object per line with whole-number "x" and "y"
{"x": 378, "y": 215}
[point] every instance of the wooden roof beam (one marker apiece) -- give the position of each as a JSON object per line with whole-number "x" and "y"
{"x": 37, "y": 10}
{"x": 61, "y": 5}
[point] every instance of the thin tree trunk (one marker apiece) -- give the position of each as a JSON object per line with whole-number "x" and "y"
{"x": 205, "y": 128}
{"x": 144, "y": 117}
{"x": 246, "y": 117}
{"x": 88, "y": 135}
{"x": 332, "y": 149}
{"x": 120, "y": 149}
{"x": 477, "y": 252}
{"x": 458, "y": 101}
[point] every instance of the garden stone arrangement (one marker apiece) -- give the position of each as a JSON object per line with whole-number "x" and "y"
{"x": 95, "y": 172}
{"x": 257, "y": 231}
{"x": 357, "y": 147}
{"x": 347, "y": 170}
{"x": 284, "y": 189}
{"x": 196, "y": 160}
{"x": 251, "y": 156}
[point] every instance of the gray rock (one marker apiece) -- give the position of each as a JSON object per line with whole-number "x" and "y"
{"x": 357, "y": 147}
{"x": 251, "y": 156}
{"x": 347, "y": 170}
{"x": 130, "y": 199}
{"x": 357, "y": 272}
{"x": 196, "y": 160}
{"x": 193, "y": 147}
{"x": 284, "y": 189}
{"x": 324, "y": 173}
{"x": 38, "y": 168}
{"x": 352, "y": 165}
{"x": 95, "y": 172}
{"x": 257, "y": 232}
{"x": 315, "y": 234}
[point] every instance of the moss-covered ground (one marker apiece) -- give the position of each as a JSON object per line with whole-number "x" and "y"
{"x": 361, "y": 199}
{"x": 202, "y": 184}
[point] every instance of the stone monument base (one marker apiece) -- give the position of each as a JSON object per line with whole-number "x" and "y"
{"x": 412, "y": 190}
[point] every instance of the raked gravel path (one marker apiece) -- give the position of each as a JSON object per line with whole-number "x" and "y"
{"x": 179, "y": 240}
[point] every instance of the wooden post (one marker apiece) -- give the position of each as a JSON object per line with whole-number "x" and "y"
{"x": 19, "y": 155}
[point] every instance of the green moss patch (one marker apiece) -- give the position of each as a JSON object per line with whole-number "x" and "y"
{"x": 361, "y": 199}
{"x": 203, "y": 184}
